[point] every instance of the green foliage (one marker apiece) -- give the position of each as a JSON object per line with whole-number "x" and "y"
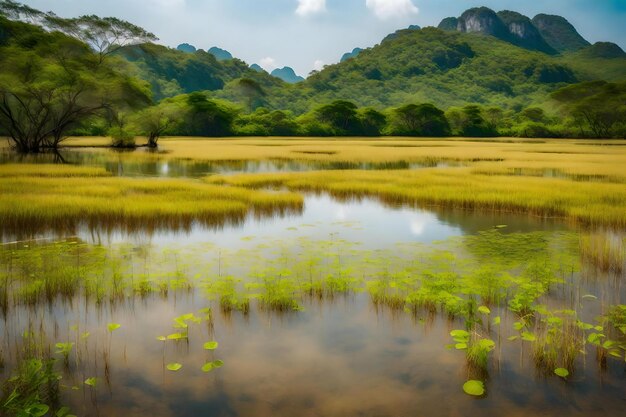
{"x": 597, "y": 108}
{"x": 51, "y": 83}
{"x": 122, "y": 138}
{"x": 32, "y": 391}
{"x": 418, "y": 120}
{"x": 475, "y": 388}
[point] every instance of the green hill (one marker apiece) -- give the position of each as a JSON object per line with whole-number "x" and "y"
{"x": 440, "y": 67}
{"x": 171, "y": 72}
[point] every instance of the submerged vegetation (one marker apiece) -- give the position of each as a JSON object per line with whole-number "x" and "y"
{"x": 497, "y": 289}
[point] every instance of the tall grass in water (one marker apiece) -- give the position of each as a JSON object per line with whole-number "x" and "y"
{"x": 605, "y": 250}
{"x": 591, "y": 203}
{"x": 64, "y": 198}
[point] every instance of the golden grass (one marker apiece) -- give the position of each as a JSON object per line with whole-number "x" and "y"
{"x": 591, "y": 203}
{"x": 50, "y": 170}
{"x": 598, "y": 160}
{"x": 605, "y": 250}
{"x": 582, "y": 180}
{"x": 37, "y": 202}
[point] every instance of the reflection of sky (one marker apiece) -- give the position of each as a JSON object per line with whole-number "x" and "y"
{"x": 366, "y": 221}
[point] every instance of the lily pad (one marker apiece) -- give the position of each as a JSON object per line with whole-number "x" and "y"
{"x": 210, "y": 345}
{"x": 475, "y": 388}
{"x": 562, "y": 372}
{"x": 174, "y": 367}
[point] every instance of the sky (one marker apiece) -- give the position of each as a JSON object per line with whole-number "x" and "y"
{"x": 308, "y": 34}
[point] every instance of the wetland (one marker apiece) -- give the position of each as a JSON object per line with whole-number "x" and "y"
{"x": 314, "y": 277}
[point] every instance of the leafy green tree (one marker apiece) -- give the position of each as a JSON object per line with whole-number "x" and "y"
{"x": 597, "y": 105}
{"x": 53, "y": 85}
{"x": 474, "y": 125}
{"x": 494, "y": 117}
{"x": 251, "y": 91}
{"x": 418, "y": 120}
{"x": 341, "y": 117}
{"x": 206, "y": 117}
{"x": 154, "y": 121}
{"x": 372, "y": 121}
{"x": 105, "y": 35}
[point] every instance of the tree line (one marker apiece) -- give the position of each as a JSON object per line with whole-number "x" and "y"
{"x": 60, "y": 78}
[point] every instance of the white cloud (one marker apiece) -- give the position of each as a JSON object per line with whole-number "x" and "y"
{"x": 387, "y": 9}
{"x": 268, "y": 63}
{"x": 309, "y": 7}
{"x": 318, "y": 65}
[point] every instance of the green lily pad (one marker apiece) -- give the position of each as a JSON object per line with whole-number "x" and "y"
{"x": 475, "y": 388}
{"x": 174, "y": 367}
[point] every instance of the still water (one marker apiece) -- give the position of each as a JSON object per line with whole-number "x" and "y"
{"x": 336, "y": 355}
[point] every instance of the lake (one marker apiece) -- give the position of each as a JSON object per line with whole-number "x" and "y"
{"x": 345, "y": 307}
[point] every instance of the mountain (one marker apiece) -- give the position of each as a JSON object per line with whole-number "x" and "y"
{"x": 607, "y": 50}
{"x": 355, "y": 52}
{"x": 397, "y": 32}
{"x": 220, "y": 54}
{"x": 483, "y": 20}
{"x": 171, "y": 72}
{"x": 287, "y": 74}
{"x": 440, "y": 67}
{"x": 544, "y": 33}
{"x": 257, "y": 68}
{"x": 185, "y": 47}
{"x": 559, "y": 33}
{"x": 523, "y": 33}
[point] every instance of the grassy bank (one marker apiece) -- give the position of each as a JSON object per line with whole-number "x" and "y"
{"x": 579, "y": 180}
{"x": 43, "y": 197}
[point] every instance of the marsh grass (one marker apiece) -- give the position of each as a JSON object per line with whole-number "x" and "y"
{"x": 36, "y": 201}
{"x": 606, "y": 250}
{"x": 458, "y": 188}
{"x": 491, "y": 284}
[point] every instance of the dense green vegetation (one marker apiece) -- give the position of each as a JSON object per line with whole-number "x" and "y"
{"x": 94, "y": 76}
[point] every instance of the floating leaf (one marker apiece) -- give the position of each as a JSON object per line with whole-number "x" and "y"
{"x": 207, "y": 367}
{"x": 496, "y": 321}
{"x": 529, "y": 337}
{"x": 37, "y": 410}
{"x": 473, "y": 387}
{"x": 218, "y": 363}
{"x": 210, "y": 345}
{"x": 176, "y": 336}
{"x": 91, "y": 381}
{"x": 562, "y": 372}
{"x": 111, "y": 327}
{"x": 484, "y": 310}
{"x": 460, "y": 346}
{"x": 174, "y": 367}
{"x": 161, "y": 338}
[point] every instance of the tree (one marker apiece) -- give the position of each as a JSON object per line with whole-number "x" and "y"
{"x": 494, "y": 117}
{"x": 53, "y": 85}
{"x": 204, "y": 117}
{"x": 474, "y": 124}
{"x": 154, "y": 121}
{"x": 598, "y": 105}
{"x": 341, "y": 116}
{"x": 251, "y": 91}
{"x": 372, "y": 121}
{"x": 419, "y": 120}
{"x": 105, "y": 35}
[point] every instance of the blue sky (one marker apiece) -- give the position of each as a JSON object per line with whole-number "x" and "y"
{"x": 307, "y": 34}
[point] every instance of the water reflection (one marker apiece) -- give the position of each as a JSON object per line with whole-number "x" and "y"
{"x": 145, "y": 163}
